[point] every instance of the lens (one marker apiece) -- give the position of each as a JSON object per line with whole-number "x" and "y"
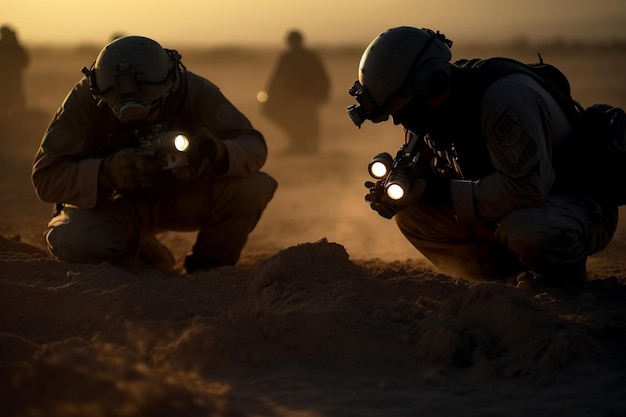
{"x": 378, "y": 170}
{"x": 170, "y": 142}
{"x": 380, "y": 165}
{"x": 181, "y": 143}
{"x": 395, "y": 191}
{"x": 397, "y": 185}
{"x": 357, "y": 114}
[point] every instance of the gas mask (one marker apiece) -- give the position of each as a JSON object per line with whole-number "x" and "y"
{"x": 130, "y": 98}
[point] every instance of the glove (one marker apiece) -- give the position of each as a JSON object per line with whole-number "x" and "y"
{"x": 385, "y": 206}
{"x": 205, "y": 151}
{"x": 129, "y": 169}
{"x": 212, "y": 149}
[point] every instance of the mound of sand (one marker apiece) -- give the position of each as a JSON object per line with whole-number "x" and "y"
{"x": 353, "y": 324}
{"x": 308, "y": 332}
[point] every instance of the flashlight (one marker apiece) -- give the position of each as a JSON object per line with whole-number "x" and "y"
{"x": 173, "y": 146}
{"x": 396, "y": 181}
{"x": 168, "y": 142}
{"x": 397, "y": 185}
{"x": 397, "y": 173}
{"x": 380, "y": 165}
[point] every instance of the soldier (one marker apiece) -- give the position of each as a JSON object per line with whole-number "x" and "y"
{"x": 488, "y": 203}
{"x": 13, "y": 61}
{"x": 113, "y": 196}
{"x": 298, "y": 87}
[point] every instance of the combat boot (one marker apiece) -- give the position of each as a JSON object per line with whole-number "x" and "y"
{"x": 156, "y": 254}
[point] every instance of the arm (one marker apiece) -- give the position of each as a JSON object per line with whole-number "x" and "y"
{"x": 517, "y": 124}
{"x": 245, "y": 146}
{"x": 62, "y": 172}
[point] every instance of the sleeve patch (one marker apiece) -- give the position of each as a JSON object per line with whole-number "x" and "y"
{"x": 508, "y": 140}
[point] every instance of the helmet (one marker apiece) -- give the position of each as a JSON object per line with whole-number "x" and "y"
{"x": 133, "y": 75}
{"x": 399, "y": 65}
{"x": 294, "y": 38}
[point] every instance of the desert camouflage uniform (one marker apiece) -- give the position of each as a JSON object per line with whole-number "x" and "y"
{"x": 95, "y": 225}
{"x": 512, "y": 218}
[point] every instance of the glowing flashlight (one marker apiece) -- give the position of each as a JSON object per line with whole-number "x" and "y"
{"x": 168, "y": 142}
{"x": 380, "y": 165}
{"x": 397, "y": 185}
{"x": 181, "y": 143}
{"x": 171, "y": 146}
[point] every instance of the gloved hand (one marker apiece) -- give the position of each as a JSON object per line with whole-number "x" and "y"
{"x": 212, "y": 149}
{"x": 387, "y": 207}
{"x": 206, "y": 151}
{"x": 434, "y": 190}
{"x": 129, "y": 169}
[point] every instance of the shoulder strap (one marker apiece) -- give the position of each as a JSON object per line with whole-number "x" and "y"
{"x": 486, "y": 71}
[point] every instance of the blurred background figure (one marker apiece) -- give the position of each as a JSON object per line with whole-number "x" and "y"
{"x": 13, "y": 61}
{"x": 297, "y": 89}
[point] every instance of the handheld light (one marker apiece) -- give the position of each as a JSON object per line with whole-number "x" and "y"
{"x": 380, "y": 165}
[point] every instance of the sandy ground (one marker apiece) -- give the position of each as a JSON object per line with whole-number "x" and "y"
{"x": 330, "y": 312}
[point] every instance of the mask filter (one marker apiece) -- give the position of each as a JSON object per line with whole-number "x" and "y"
{"x": 130, "y": 111}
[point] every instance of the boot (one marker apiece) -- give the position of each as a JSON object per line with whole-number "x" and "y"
{"x": 156, "y": 254}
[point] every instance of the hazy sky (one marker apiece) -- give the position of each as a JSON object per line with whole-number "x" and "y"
{"x": 254, "y": 22}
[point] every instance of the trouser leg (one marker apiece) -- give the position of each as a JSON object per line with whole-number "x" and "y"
{"x": 470, "y": 251}
{"x": 225, "y": 211}
{"x": 555, "y": 239}
{"x": 108, "y": 232}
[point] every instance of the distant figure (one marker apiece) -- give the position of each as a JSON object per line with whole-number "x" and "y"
{"x": 297, "y": 89}
{"x": 13, "y": 61}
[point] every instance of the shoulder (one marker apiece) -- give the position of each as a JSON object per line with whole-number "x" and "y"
{"x": 80, "y": 98}
{"x": 195, "y": 81}
{"x": 519, "y": 92}
{"x": 515, "y": 83}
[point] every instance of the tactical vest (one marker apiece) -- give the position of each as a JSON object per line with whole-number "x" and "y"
{"x": 458, "y": 133}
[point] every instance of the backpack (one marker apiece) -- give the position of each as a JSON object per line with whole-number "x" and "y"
{"x": 595, "y": 161}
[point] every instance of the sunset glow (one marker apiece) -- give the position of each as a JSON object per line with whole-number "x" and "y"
{"x": 324, "y": 21}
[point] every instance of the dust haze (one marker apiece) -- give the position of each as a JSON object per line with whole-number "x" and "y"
{"x": 330, "y": 312}
{"x": 318, "y": 196}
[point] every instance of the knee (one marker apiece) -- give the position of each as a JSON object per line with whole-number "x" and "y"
{"x": 256, "y": 190}
{"x": 536, "y": 240}
{"x": 433, "y": 223}
{"x": 89, "y": 239}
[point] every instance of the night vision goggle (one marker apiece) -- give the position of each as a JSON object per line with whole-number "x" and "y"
{"x": 367, "y": 109}
{"x": 126, "y": 84}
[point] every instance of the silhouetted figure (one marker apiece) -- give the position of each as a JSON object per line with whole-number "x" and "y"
{"x": 484, "y": 186}
{"x": 297, "y": 89}
{"x": 13, "y": 61}
{"x": 140, "y": 146}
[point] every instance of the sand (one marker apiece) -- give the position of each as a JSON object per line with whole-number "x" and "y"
{"x": 329, "y": 313}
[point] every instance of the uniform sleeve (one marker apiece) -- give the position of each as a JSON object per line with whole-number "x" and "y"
{"x": 61, "y": 172}
{"x": 516, "y": 122}
{"x": 246, "y": 146}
